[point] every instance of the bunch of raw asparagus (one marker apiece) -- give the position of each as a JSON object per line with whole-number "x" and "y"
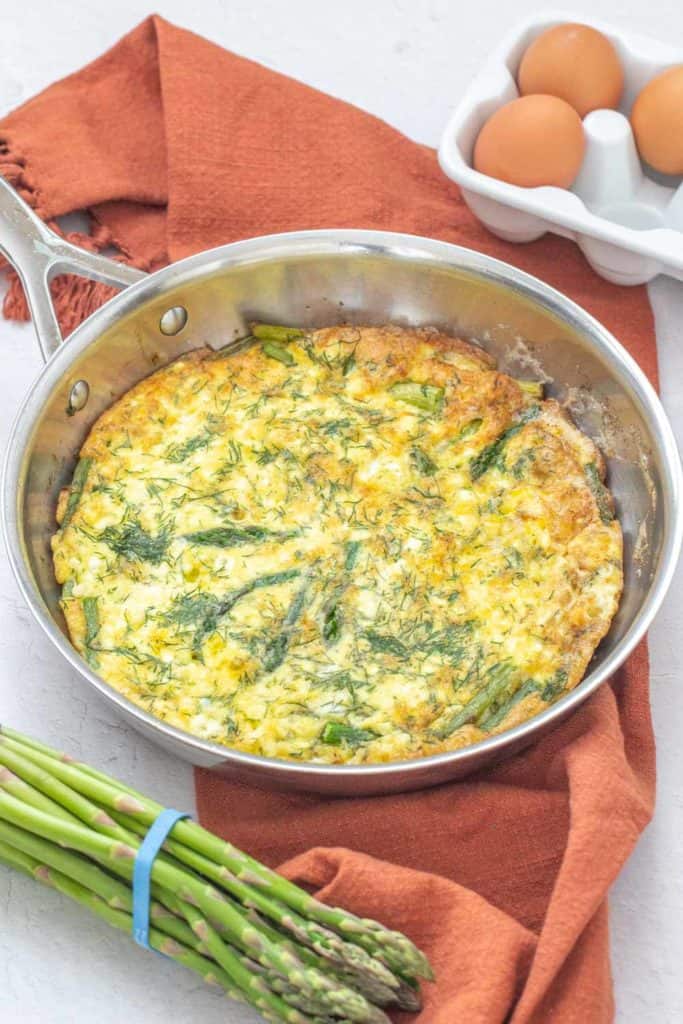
{"x": 214, "y": 909}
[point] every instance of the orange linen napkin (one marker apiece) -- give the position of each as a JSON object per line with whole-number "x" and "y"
{"x": 174, "y": 146}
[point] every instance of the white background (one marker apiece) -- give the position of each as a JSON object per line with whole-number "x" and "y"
{"x": 407, "y": 61}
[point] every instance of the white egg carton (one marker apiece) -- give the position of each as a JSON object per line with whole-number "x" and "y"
{"x": 627, "y": 220}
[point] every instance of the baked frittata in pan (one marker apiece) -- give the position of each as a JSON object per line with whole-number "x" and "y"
{"x": 355, "y": 544}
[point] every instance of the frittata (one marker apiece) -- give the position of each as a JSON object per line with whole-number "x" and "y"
{"x": 354, "y": 544}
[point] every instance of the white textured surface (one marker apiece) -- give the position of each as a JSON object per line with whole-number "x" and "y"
{"x": 408, "y": 62}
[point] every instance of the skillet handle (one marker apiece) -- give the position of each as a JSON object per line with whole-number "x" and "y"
{"x": 37, "y": 254}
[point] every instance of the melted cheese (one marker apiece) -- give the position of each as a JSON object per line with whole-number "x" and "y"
{"x": 359, "y": 545}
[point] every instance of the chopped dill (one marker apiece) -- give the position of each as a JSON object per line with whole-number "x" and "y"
{"x": 332, "y": 624}
{"x": 235, "y": 536}
{"x": 198, "y": 443}
{"x": 385, "y": 643}
{"x": 352, "y": 551}
{"x": 422, "y": 462}
{"x": 200, "y": 613}
{"x": 131, "y": 541}
{"x": 521, "y": 465}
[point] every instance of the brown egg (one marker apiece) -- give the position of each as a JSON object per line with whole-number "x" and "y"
{"x": 535, "y": 140}
{"x": 576, "y": 63}
{"x": 657, "y": 121}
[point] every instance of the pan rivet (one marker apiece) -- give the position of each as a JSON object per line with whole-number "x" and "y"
{"x": 78, "y": 397}
{"x": 173, "y": 320}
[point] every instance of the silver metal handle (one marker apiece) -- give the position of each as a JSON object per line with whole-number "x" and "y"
{"x": 37, "y": 254}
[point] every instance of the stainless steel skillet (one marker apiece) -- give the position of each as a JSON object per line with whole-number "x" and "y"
{"x": 316, "y": 278}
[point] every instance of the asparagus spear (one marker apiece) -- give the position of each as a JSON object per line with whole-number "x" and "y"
{"x": 393, "y": 949}
{"x": 49, "y": 876}
{"x": 277, "y": 648}
{"x": 322, "y": 941}
{"x": 337, "y": 733}
{"x": 270, "y": 1005}
{"x": 427, "y": 397}
{"x": 332, "y": 614}
{"x": 28, "y": 741}
{"x": 79, "y": 808}
{"x": 79, "y": 869}
{"x": 27, "y": 744}
{"x": 335, "y": 994}
{"x": 114, "y": 893}
{"x": 497, "y": 681}
{"x": 89, "y": 813}
{"x": 275, "y": 351}
{"x": 256, "y": 988}
{"x": 390, "y": 948}
{"x": 12, "y": 784}
{"x": 491, "y": 455}
{"x": 493, "y": 718}
{"x": 120, "y": 856}
{"x": 92, "y": 619}
{"x": 236, "y": 536}
{"x": 469, "y": 428}
{"x": 602, "y": 496}
{"x": 532, "y": 387}
{"x": 78, "y": 483}
{"x": 273, "y": 332}
{"x": 86, "y": 812}
{"x": 373, "y": 988}
{"x": 277, "y": 984}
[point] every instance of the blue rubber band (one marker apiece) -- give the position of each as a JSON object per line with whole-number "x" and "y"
{"x": 142, "y": 871}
